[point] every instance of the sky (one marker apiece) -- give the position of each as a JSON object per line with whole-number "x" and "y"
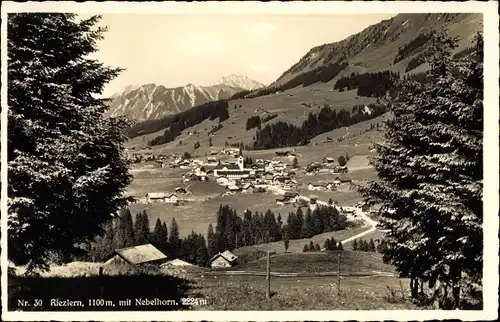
{"x": 177, "y": 49}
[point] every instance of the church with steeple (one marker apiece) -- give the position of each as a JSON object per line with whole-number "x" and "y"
{"x": 233, "y": 171}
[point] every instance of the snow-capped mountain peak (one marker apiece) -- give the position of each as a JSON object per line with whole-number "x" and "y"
{"x": 239, "y": 81}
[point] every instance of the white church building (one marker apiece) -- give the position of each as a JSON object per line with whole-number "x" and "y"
{"x": 234, "y": 171}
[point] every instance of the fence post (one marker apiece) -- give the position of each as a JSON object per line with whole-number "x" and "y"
{"x": 101, "y": 286}
{"x": 338, "y": 275}
{"x": 268, "y": 277}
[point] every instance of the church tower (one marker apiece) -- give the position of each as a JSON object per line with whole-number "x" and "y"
{"x": 241, "y": 162}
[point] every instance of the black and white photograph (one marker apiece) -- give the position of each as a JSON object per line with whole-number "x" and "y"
{"x": 300, "y": 161}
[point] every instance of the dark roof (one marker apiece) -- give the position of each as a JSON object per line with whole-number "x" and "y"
{"x": 229, "y": 166}
{"x": 140, "y": 254}
{"x": 222, "y": 173}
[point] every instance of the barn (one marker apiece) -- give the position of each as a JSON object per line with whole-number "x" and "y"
{"x": 136, "y": 255}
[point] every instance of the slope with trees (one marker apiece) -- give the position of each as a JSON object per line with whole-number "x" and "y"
{"x": 283, "y": 134}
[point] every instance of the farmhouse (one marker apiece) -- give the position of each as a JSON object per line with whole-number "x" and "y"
{"x": 172, "y": 198}
{"x": 340, "y": 169}
{"x": 281, "y": 179}
{"x": 136, "y": 255}
{"x": 225, "y": 259}
{"x": 233, "y": 188}
{"x": 247, "y": 188}
{"x": 348, "y": 209}
{"x": 328, "y": 160}
{"x": 176, "y": 262}
{"x": 156, "y": 197}
{"x": 315, "y": 187}
{"x": 232, "y": 151}
{"x": 211, "y": 161}
{"x": 286, "y": 153}
{"x": 223, "y": 181}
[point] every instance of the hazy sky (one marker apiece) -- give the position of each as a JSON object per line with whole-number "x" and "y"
{"x": 177, "y": 49}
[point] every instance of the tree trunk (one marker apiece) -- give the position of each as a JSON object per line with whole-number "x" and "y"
{"x": 455, "y": 274}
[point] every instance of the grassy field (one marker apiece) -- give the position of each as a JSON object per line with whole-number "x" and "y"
{"x": 319, "y": 293}
{"x": 297, "y": 245}
{"x": 239, "y": 292}
{"x": 352, "y": 262}
{"x": 202, "y": 210}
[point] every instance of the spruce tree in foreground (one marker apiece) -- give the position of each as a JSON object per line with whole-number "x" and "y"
{"x": 66, "y": 166}
{"x": 430, "y": 167}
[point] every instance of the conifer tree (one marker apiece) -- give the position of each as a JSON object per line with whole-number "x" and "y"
{"x": 340, "y": 246}
{"x": 355, "y": 245}
{"x": 173, "y": 239}
{"x": 430, "y": 166}
{"x": 286, "y": 238}
{"x": 211, "y": 241}
{"x": 305, "y": 249}
{"x": 279, "y": 226}
{"x": 311, "y": 246}
{"x": 317, "y": 247}
{"x": 141, "y": 228}
{"x": 124, "y": 236}
{"x": 67, "y": 169}
{"x": 307, "y": 224}
{"x": 326, "y": 245}
{"x": 201, "y": 251}
{"x": 157, "y": 237}
{"x": 371, "y": 245}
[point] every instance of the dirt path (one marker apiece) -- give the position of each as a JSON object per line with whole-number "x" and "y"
{"x": 368, "y": 220}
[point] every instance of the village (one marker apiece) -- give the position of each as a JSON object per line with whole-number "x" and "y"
{"x": 237, "y": 174}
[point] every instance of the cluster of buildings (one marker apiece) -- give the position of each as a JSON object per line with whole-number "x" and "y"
{"x": 166, "y": 197}
{"x": 148, "y": 254}
{"x": 239, "y": 177}
{"x": 328, "y": 165}
{"x": 329, "y": 186}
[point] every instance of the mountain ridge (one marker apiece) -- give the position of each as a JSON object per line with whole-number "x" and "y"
{"x": 152, "y": 101}
{"x": 393, "y": 32}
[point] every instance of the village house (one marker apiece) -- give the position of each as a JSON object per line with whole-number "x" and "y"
{"x": 231, "y": 151}
{"x": 339, "y": 169}
{"x": 224, "y": 259}
{"x": 286, "y": 153}
{"x": 281, "y": 179}
{"x": 224, "y": 181}
{"x": 176, "y": 263}
{"x": 172, "y": 198}
{"x": 136, "y": 255}
{"x": 315, "y": 187}
{"x": 348, "y": 209}
{"x": 247, "y": 188}
{"x": 156, "y": 197}
{"x": 328, "y": 160}
{"x": 211, "y": 161}
{"x": 232, "y": 189}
